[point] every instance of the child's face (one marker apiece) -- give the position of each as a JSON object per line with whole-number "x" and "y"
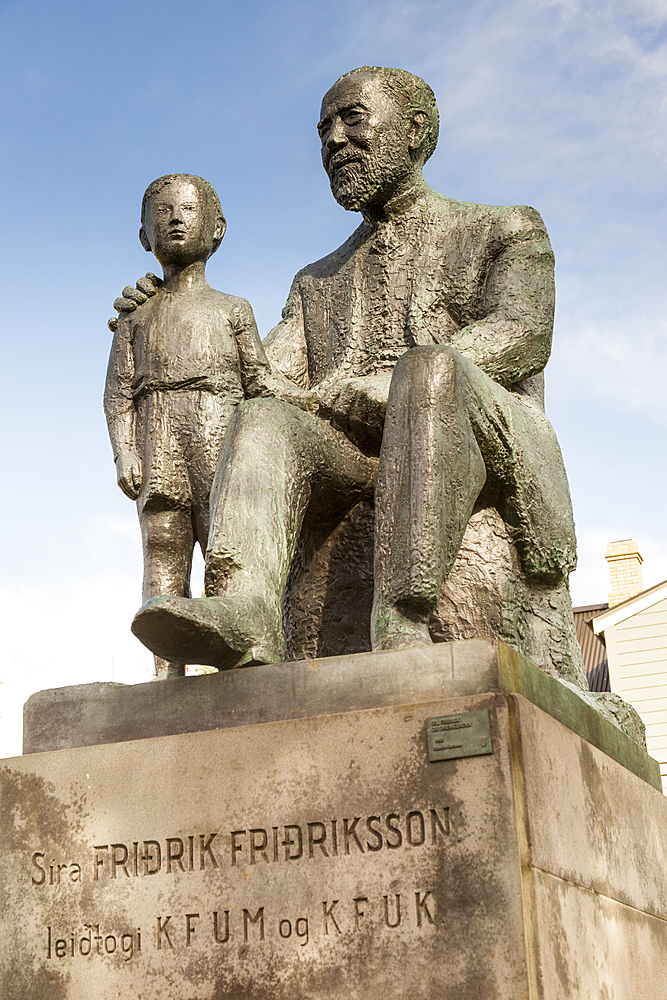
{"x": 181, "y": 228}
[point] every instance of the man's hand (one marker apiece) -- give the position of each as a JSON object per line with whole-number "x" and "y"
{"x": 263, "y": 380}
{"x": 128, "y": 473}
{"x": 133, "y": 297}
{"x": 305, "y": 399}
{"x": 357, "y": 406}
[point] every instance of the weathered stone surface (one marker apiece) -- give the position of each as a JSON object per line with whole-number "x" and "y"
{"x": 587, "y": 823}
{"x": 107, "y": 713}
{"x": 593, "y": 946}
{"x": 509, "y": 868}
{"x": 342, "y": 810}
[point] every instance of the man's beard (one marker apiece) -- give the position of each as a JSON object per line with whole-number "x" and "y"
{"x": 375, "y": 172}
{"x": 352, "y": 184}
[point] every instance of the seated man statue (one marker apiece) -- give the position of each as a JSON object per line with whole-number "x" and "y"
{"x": 423, "y": 338}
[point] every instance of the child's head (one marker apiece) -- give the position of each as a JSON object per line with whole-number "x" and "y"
{"x": 181, "y": 219}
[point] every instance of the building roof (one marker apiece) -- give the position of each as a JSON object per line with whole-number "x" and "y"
{"x": 631, "y": 606}
{"x": 593, "y": 647}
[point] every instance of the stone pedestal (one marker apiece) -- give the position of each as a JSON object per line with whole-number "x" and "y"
{"x": 335, "y": 849}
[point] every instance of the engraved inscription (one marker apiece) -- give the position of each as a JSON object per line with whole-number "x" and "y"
{"x": 53, "y": 872}
{"x": 91, "y": 940}
{"x": 230, "y": 920}
{"x": 338, "y": 838}
{"x": 247, "y": 925}
{"x": 303, "y": 842}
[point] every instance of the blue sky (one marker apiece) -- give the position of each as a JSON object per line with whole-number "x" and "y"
{"x": 554, "y": 103}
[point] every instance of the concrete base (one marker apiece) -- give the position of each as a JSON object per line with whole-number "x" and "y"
{"x": 327, "y": 857}
{"x": 89, "y": 714}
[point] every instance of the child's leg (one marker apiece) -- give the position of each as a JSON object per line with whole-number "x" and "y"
{"x": 167, "y": 538}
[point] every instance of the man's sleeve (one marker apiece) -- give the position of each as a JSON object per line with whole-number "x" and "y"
{"x": 285, "y": 345}
{"x": 118, "y": 399}
{"x": 511, "y": 339}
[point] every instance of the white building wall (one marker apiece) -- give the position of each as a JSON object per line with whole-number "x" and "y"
{"x": 637, "y": 649}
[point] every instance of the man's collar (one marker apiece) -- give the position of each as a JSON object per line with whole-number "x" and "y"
{"x": 400, "y": 205}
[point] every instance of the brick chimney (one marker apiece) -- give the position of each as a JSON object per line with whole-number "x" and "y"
{"x": 625, "y": 564}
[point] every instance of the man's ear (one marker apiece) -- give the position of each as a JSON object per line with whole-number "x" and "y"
{"x": 143, "y": 238}
{"x": 418, "y": 121}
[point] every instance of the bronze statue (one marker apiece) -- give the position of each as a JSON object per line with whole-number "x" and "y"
{"x": 423, "y": 338}
{"x": 178, "y": 368}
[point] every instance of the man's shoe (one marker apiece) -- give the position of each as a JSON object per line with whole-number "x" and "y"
{"x": 216, "y": 631}
{"x": 391, "y": 629}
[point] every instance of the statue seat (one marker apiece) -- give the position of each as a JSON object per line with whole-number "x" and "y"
{"x": 330, "y": 593}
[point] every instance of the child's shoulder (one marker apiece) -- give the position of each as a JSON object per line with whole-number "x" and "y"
{"x": 225, "y": 299}
{"x": 234, "y": 307}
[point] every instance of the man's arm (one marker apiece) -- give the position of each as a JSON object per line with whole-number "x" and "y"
{"x": 357, "y": 406}
{"x": 511, "y": 340}
{"x": 120, "y": 411}
{"x": 133, "y": 297}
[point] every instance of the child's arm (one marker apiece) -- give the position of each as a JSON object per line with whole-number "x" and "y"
{"x": 285, "y": 345}
{"x": 259, "y": 377}
{"x": 120, "y": 411}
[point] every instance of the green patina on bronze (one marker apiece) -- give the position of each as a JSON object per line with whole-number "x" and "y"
{"x": 601, "y": 719}
{"x": 389, "y": 478}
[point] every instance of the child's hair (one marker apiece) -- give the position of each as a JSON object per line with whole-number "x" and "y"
{"x": 209, "y": 192}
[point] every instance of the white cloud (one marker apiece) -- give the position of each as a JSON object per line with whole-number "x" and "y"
{"x": 621, "y": 363}
{"x": 559, "y": 88}
{"x": 77, "y": 633}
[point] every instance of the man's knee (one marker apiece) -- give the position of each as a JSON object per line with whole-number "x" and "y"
{"x": 266, "y": 420}
{"x": 430, "y": 366}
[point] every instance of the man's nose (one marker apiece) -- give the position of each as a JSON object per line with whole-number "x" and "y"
{"x": 337, "y": 137}
{"x": 176, "y": 214}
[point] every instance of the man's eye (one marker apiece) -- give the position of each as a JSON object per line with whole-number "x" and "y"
{"x": 323, "y": 128}
{"x": 353, "y": 117}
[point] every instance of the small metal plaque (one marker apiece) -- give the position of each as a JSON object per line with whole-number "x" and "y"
{"x": 465, "y": 735}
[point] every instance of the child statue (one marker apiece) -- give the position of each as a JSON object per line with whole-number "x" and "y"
{"x": 180, "y": 364}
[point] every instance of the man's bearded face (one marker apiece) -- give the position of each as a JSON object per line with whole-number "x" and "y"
{"x": 364, "y": 137}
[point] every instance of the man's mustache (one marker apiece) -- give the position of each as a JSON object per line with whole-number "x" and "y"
{"x": 339, "y": 160}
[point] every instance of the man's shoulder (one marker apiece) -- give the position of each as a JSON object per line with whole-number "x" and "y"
{"x": 326, "y": 266}
{"x": 508, "y": 219}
